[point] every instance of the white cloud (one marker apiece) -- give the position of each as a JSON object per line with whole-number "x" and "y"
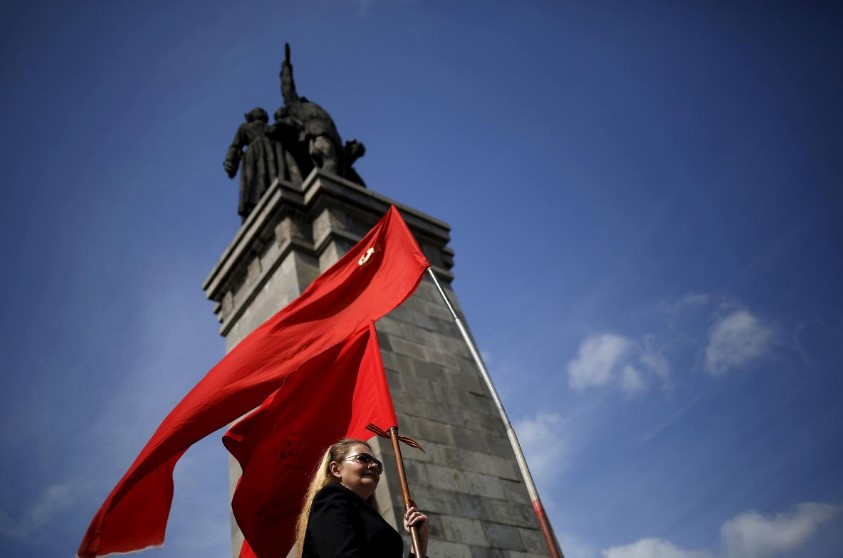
{"x": 598, "y": 356}
{"x": 544, "y": 443}
{"x": 609, "y": 357}
{"x": 631, "y": 380}
{"x": 693, "y": 299}
{"x": 736, "y": 340}
{"x": 34, "y": 521}
{"x": 752, "y": 535}
{"x": 748, "y": 535}
{"x": 653, "y": 360}
{"x": 653, "y": 548}
{"x": 573, "y": 547}
{"x": 676, "y": 307}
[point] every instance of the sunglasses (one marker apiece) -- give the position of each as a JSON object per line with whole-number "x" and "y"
{"x": 366, "y": 460}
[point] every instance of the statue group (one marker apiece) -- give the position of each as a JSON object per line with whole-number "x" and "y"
{"x": 303, "y": 136}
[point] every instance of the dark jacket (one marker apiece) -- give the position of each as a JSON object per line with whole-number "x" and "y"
{"x": 343, "y": 525}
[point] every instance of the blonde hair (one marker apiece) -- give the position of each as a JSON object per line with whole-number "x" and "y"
{"x": 322, "y": 477}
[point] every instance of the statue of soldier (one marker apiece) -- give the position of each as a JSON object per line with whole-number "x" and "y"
{"x": 317, "y": 131}
{"x": 264, "y": 160}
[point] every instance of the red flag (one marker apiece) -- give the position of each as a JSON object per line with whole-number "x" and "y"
{"x": 374, "y": 277}
{"x": 333, "y": 396}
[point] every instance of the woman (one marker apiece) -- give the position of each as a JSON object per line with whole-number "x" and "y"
{"x": 339, "y": 518}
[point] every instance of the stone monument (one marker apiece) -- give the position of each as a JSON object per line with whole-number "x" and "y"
{"x": 467, "y": 481}
{"x": 303, "y": 137}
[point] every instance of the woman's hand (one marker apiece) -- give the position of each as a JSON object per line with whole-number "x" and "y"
{"x": 414, "y": 518}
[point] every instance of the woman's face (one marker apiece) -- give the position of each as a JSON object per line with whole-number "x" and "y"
{"x": 359, "y": 477}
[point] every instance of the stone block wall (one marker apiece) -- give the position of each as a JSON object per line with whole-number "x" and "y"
{"x": 467, "y": 479}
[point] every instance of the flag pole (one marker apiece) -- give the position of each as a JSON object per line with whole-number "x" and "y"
{"x": 544, "y": 523}
{"x": 405, "y": 489}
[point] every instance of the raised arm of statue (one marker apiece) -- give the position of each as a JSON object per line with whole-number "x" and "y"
{"x": 288, "y": 86}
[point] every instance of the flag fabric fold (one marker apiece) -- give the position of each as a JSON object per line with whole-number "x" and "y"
{"x": 332, "y": 396}
{"x": 375, "y": 276}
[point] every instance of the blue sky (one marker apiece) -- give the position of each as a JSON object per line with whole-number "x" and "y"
{"x": 646, "y": 209}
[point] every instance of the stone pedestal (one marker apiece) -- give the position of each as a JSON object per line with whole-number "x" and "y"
{"x": 468, "y": 480}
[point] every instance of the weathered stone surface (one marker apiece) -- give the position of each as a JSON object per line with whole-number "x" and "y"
{"x": 515, "y": 554}
{"x": 436, "y": 501}
{"x": 407, "y": 348}
{"x": 446, "y": 549}
{"x": 508, "y": 513}
{"x": 444, "y": 359}
{"x": 533, "y": 540}
{"x": 474, "y": 506}
{"x": 462, "y": 530}
{"x": 503, "y": 536}
{"x": 487, "y": 552}
{"x": 514, "y": 491}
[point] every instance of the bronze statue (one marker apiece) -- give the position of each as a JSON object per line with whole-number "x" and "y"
{"x": 264, "y": 160}
{"x": 317, "y": 131}
{"x": 352, "y": 151}
{"x": 303, "y": 136}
